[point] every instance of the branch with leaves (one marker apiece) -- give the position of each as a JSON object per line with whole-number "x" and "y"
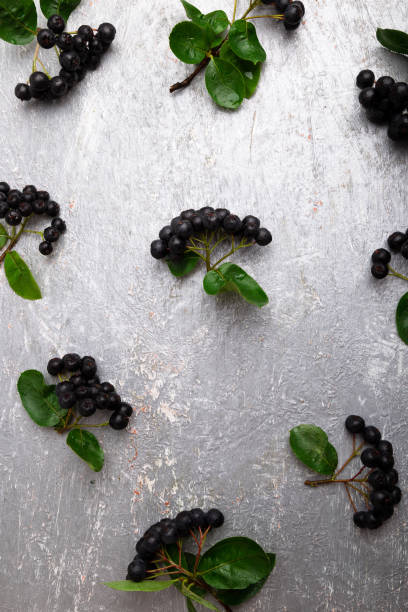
{"x": 229, "y": 50}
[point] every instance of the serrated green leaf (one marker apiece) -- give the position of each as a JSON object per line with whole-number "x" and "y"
{"x": 148, "y": 586}
{"x": 213, "y": 282}
{"x": 235, "y": 597}
{"x": 311, "y": 445}
{"x": 401, "y": 318}
{"x": 3, "y": 236}
{"x": 234, "y": 563}
{"x": 183, "y": 266}
{"x": 18, "y": 21}
{"x": 20, "y": 278}
{"x": 189, "y": 42}
{"x": 394, "y": 40}
{"x": 224, "y": 83}
{"x": 59, "y": 7}
{"x": 87, "y": 447}
{"x": 244, "y": 42}
{"x": 39, "y": 399}
{"x": 244, "y": 284}
{"x": 250, "y": 72}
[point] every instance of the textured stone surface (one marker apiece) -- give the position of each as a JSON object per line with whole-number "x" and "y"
{"x": 216, "y": 383}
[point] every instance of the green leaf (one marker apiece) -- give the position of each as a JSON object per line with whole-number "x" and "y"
{"x": 235, "y": 597}
{"x": 401, "y": 317}
{"x": 191, "y": 595}
{"x": 192, "y": 12}
{"x": 86, "y": 446}
{"x": 311, "y": 445}
{"x": 183, "y": 266}
{"x": 58, "y": 7}
{"x": 244, "y": 42}
{"x": 394, "y": 40}
{"x": 213, "y": 282}
{"x": 190, "y": 605}
{"x": 18, "y": 21}
{"x": 246, "y": 286}
{"x": 189, "y": 42}
{"x": 234, "y": 563}
{"x": 149, "y": 586}
{"x": 224, "y": 83}
{"x": 20, "y": 278}
{"x": 216, "y": 21}
{"x": 39, "y": 399}
{"x": 3, "y": 236}
{"x": 250, "y": 72}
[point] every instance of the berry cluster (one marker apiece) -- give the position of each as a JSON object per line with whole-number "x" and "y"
{"x": 383, "y": 478}
{"x": 173, "y": 238}
{"x": 385, "y": 101}
{"x": 16, "y": 205}
{"x": 398, "y": 242}
{"x": 85, "y": 390}
{"x": 166, "y": 532}
{"x": 293, "y": 12}
{"x": 78, "y": 54}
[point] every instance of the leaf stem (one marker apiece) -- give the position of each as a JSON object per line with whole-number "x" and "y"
{"x": 350, "y": 498}
{"x": 278, "y": 17}
{"x": 15, "y": 239}
{"x": 235, "y": 11}
{"x": 393, "y": 272}
{"x": 36, "y": 52}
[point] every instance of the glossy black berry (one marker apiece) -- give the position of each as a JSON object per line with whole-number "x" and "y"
{"x": 56, "y": 23}
{"x": 86, "y": 32}
{"x": 396, "y": 240}
{"x": 232, "y": 224}
{"x": 58, "y": 87}
{"x": 45, "y": 248}
{"x": 197, "y": 223}
{"x": 169, "y": 534}
{"x": 396, "y": 495}
{"x": 360, "y": 519}
{"x": 386, "y": 462}
{"x": 383, "y": 86}
{"x": 96, "y": 381}
{"x": 381, "y": 256}
{"x": 43, "y": 195}
{"x": 64, "y": 387}
{"x": 86, "y": 407}
{"x": 82, "y": 392}
{"x": 377, "y": 479}
{"x": 384, "y": 513}
{"x": 39, "y": 206}
{"x": 251, "y": 219}
{"x": 136, "y": 570}
{"x": 355, "y": 424}
{"x": 371, "y": 435}
{"x": 125, "y": 409}
{"x": 177, "y": 245}
{"x": 71, "y": 78}
{"x": 398, "y": 96}
{"x": 96, "y": 47}
{"x": 77, "y": 380}
{"x": 113, "y": 401}
{"x": 373, "y": 521}
{"x": 381, "y": 498}
{"x": 106, "y": 32}
{"x": 52, "y": 209}
{"x": 46, "y": 38}
{"x": 13, "y": 217}
{"x": 368, "y": 97}
{"x": 376, "y": 115}
{"x": 300, "y": 5}
{"x": 187, "y": 214}
{"x": 158, "y": 249}
{"x": 198, "y": 518}
{"x": 59, "y": 225}
{"x": 184, "y": 229}
{"x": 25, "y": 209}
{"x": 379, "y": 270}
{"x": 292, "y": 14}
{"x": 118, "y": 421}
{"x": 67, "y": 400}
{"x": 88, "y": 367}
{"x": 370, "y": 457}
{"x": 93, "y": 61}
{"x": 51, "y": 234}
{"x": 391, "y": 479}
{"x": 184, "y": 523}
{"x": 55, "y": 366}
{"x": 215, "y": 518}
{"x": 210, "y": 221}
{"x": 102, "y": 401}
{"x": 263, "y": 236}
{"x": 222, "y": 213}
{"x": 70, "y": 60}
{"x": 4, "y": 187}
{"x": 107, "y": 387}
{"x": 385, "y": 447}
{"x": 165, "y": 233}
{"x": 23, "y": 92}
{"x": 365, "y": 78}
{"x": 39, "y": 82}
{"x": 4, "y": 208}
{"x": 281, "y": 5}
{"x": 64, "y": 41}
{"x": 72, "y": 362}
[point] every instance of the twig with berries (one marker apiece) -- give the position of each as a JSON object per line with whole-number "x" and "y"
{"x": 230, "y": 572}
{"x": 197, "y": 235}
{"x": 374, "y": 483}
{"x": 232, "y": 57}
{"x": 18, "y": 208}
{"x": 79, "y": 394}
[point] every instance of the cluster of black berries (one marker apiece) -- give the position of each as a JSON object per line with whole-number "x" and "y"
{"x": 293, "y": 12}
{"x": 169, "y": 531}
{"x": 383, "y": 478}
{"x": 398, "y": 242}
{"x": 15, "y": 204}
{"x": 79, "y": 53}
{"x": 385, "y": 101}
{"x": 85, "y": 389}
{"x": 173, "y": 238}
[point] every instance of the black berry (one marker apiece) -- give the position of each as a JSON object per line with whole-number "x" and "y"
{"x": 368, "y": 97}
{"x": 70, "y": 60}
{"x": 39, "y": 206}
{"x": 381, "y": 256}
{"x": 51, "y": 234}
{"x": 385, "y": 447}
{"x": 396, "y": 240}
{"x": 372, "y": 520}
{"x": 106, "y": 32}
{"x": 136, "y": 570}
{"x": 370, "y": 457}
{"x": 381, "y": 499}
{"x": 184, "y": 523}
{"x": 45, "y": 248}
{"x": 55, "y": 366}
{"x": 22, "y": 91}
{"x": 64, "y": 41}
{"x": 58, "y": 86}
{"x": 118, "y": 421}
{"x": 67, "y": 399}
{"x": 391, "y": 479}
{"x": 169, "y": 534}
{"x": 46, "y": 38}
{"x": 355, "y": 424}
{"x": 377, "y": 479}
{"x": 86, "y": 32}
{"x": 86, "y": 407}
{"x": 64, "y": 387}
{"x": 383, "y": 86}
{"x": 13, "y": 217}
{"x": 72, "y": 362}
{"x": 386, "y": 462}
{"x": 125, "y": 409}
{"x": 379, "y": 270}
{"x": 158, "y": 249}
{"x": 59, "y": 224}
{"x": 177, "y": 245}
{"x": 198, "y": 518}
{"x": 396, "y": 495}
{"x": 39, "y": 82}
{"x": 371, "y": 435}
{"x": 165, "y": 233}
{"x": 292, "y": 14}
{"x": 56, "y": 23}
{"x": 107, "y": 387}
{"x": 25, "y": 209}
{"x": 360, "y": 519}
{"x": 232, "y": 224}
{"x": 88, "y": 367}
{"x": 113, "y": 401}
{"x": 365, "y": 78}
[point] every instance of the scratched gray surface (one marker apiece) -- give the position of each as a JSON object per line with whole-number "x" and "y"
{"x": 216, "y": 384}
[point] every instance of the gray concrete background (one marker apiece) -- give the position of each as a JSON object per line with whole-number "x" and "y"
{"x": 216, "y": 383}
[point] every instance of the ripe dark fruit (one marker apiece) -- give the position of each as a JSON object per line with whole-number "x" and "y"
{"x": 125, "y": 409}
{"x": 396, "y": 495}
{"x": 136, "y": 570}
{"x": 4, "y": 208}
{"x": 158, "y": 249}
{"x": 210, "y": 221}
{"x": 184, "y": 523}
{"x": 45, "y": 248}
{"x": 359, "y": 519}
{"x": 77, "y": 380}
{"x": 4, "y": 187}
{"x": 25, "y": 209}
{"x": 96, "y": 47}
{"x": 67, "y": 399}
{"x": 165, "y": 234}
{"x": 368, "y": 97}
{"x": 13, "y": 217}
{"x": 63, "y": 387}
{"x": 232, "y": 224}
{"x": 58, "y": 87}
{"x": 169, "y": 534}
{"x": 113, "y": 401}
{"x": 40, "y": 207}
{"x": 93, "y": 62}
{"x": 386, "y": 462}
{"x": 52, "y": 209}
{"x": 81, "y": 392}
{"x": 39, "y": 82}
{"x": 222, "y": 213}
{"x": 381, "y": 256}
{"x": 86, "y": 32}
{"x": 59, "y": 224}
{"x": 56, "y": 23}
{"x": 369, "y": 457}
{"x": 51, "y": 234}
{"x": 102, "y": 401}
{"x": 187, "y": 214}
{"x": 355, "y": 424}
{"x": 371, "y": 435}
{"x": 373, "y": 521}
{"x": 177, "y": 245}
{"x": 263, "y": 237}
{"x": 86, "y": 407}
{"x": 379, "y": 270}
{"x": 197, "y": 223}
{"x": 64, "y": 41}
{"x": 391, "y": 479}
{"x": 70, "y": 60}
{"x": 365, "y": 78}
{"x": 118, "y": 421}
{"x": 55, "y": 366}
{"x": 293, "y": 14}
{"x": 381, "y": 499}
{"x": 377, "y": 479}
{"x": 198, "y": 518}
{"x": 79, "y": 43}
{"x": 88, "y": 367}
{"x": 396, "y": 240}
{"x": 46, "y": 38}
{"x": 215, "y": 518}
{"x": 106, "y": 32}
{"x": 72, "y": 362}
{"x": 22, "y": 92}
{"x": 385, "y": 447}
{"x": 384, "y": 85}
